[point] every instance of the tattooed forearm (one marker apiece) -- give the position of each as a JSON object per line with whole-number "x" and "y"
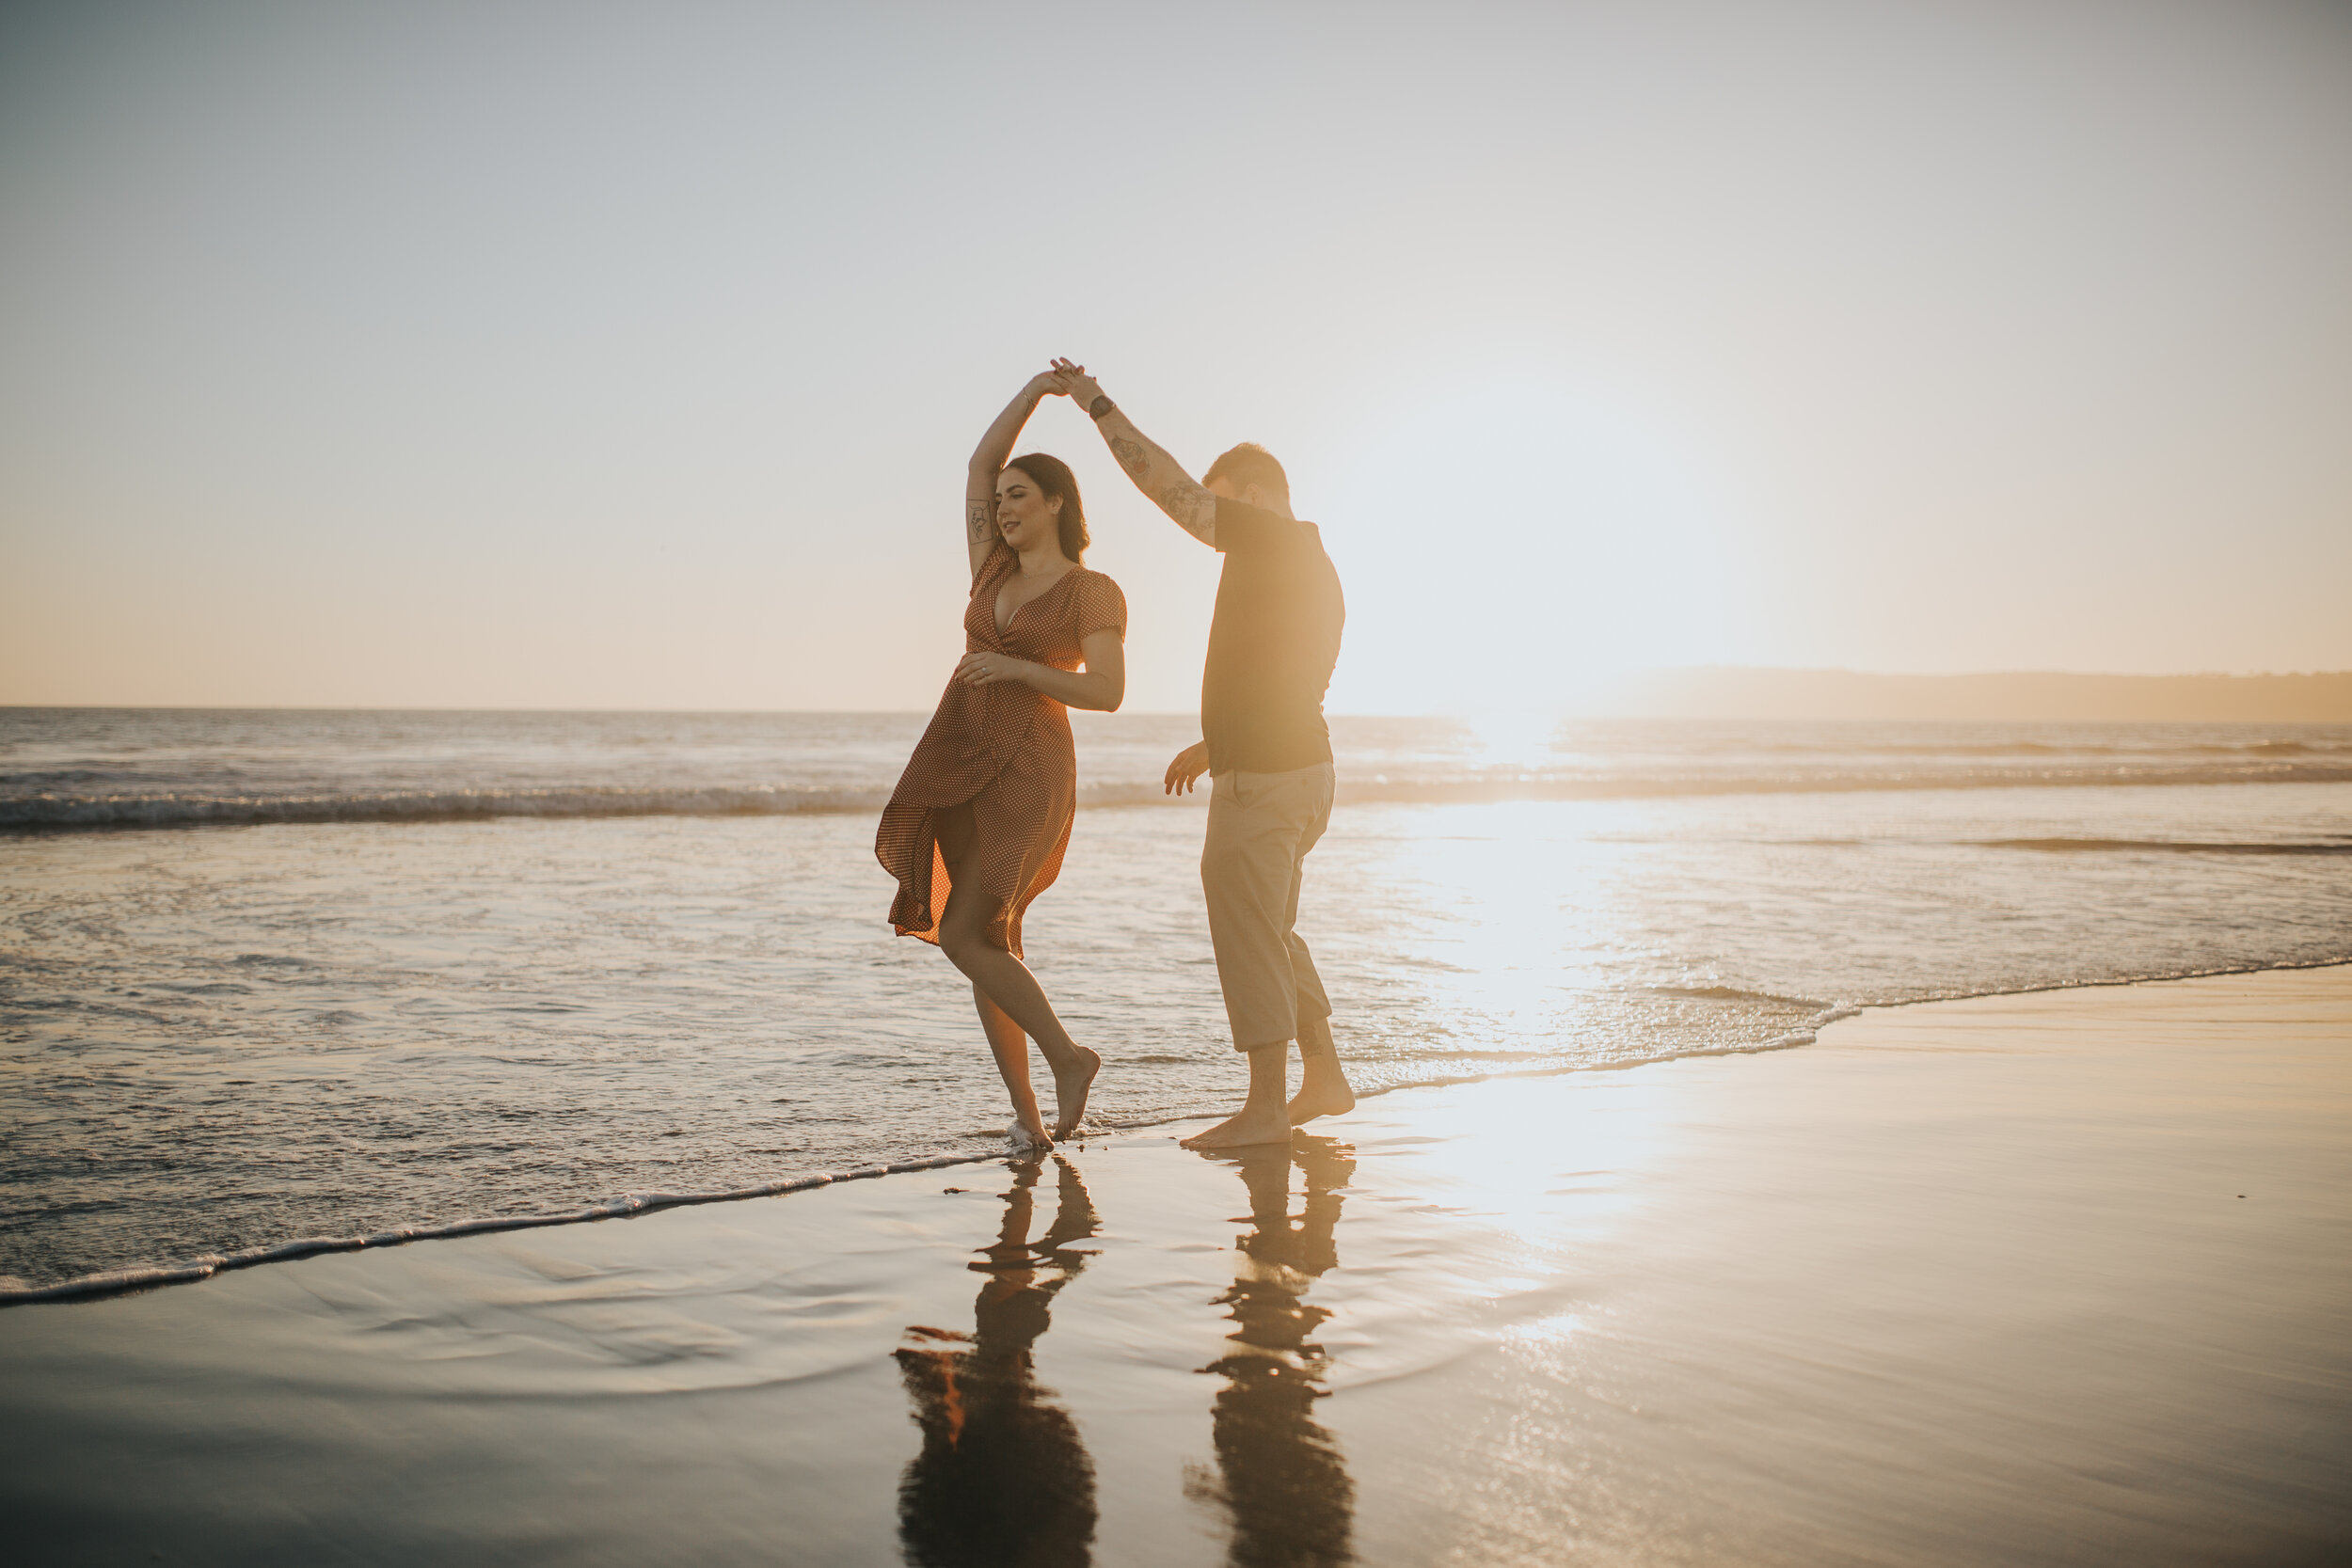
{"x": 979, "y": 526}
{"x": 1194, "y": 509}
{"x": 1160, "y": 477}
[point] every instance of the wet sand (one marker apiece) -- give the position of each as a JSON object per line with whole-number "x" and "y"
{"x": 1963, "y": 1283}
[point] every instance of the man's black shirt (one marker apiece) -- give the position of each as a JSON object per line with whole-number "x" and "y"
{"x": 1272, "y": 645}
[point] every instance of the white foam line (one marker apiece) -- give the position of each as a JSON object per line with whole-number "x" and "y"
{"x": 1783, "y": 1042}
{"x": 205, "y": 1266}
{"x": 55, "y": 810}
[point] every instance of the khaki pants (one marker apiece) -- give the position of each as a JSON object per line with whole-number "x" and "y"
{"x": 1260, "y": 826}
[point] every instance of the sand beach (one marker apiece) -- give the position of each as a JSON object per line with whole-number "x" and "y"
{"x": 2047, "y": 1279}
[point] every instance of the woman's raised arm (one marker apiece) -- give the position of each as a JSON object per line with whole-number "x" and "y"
{"x": 987, "y": 461}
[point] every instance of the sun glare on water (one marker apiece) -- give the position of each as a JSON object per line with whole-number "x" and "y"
{"x": 1553, "y": 1167}
{"x": 1517, "y": 739}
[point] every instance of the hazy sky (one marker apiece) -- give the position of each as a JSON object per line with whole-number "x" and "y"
{"x": 565, "y": 355}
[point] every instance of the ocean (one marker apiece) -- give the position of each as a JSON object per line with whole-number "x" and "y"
{"x": 278, "y": 979}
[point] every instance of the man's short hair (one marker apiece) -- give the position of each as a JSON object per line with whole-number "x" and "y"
{"x": 1250, "y": 463}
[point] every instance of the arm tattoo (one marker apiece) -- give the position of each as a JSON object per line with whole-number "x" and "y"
{"x": 977, "y": 525}
{"x": 1187, "y": 501}
{"x": 1131, "y": 456}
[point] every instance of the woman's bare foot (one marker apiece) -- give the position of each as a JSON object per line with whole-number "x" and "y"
{"x": 1026, "y": 1135}
{"x": 1250, "y": 1126}
{"x": 1071, "y": 1083}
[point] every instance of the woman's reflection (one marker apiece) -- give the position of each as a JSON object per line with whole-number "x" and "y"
{"x": 1002, "y": 1478}
{"x": 1282, "y": 1476}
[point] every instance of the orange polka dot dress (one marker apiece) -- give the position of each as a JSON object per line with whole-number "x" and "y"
{"x": 1005, "y": 748}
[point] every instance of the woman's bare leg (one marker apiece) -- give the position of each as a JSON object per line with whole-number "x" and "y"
{"x": 1010, "y": 1048}
{"x": 1006, "y": 983}
{"x": 999, "y": 978}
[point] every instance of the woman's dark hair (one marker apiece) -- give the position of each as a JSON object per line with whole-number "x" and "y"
{"x": 1051, "y": 476}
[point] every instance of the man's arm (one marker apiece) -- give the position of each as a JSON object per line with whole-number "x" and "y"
{"x": 1156, "y": 474}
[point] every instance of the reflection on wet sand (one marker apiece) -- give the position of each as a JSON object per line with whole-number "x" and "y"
{"x": 1281, "y": 1478}
{"x": 1002, "y": 1478}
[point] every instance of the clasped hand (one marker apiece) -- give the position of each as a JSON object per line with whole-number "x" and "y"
{"x": 986, "y": 669}
{"x": 1071, "y": 381}
{"x": 1064, "y": 378}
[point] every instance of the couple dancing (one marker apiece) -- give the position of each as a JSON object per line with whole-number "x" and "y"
{"x": 980, "y": 819}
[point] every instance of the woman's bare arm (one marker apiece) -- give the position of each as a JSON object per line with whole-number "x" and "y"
{"x": 987, "y": 461}
{"x": 1100, "y": 688}
{"x": 1156, "y": 474}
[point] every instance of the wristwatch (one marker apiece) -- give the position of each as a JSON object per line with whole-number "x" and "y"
{"x": 1100, "y": 406}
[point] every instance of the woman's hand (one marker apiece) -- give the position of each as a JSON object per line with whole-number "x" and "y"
{"x": 1073, "y": 382}
{"x": 1190, "y": 765}
{"x": 1043, "y": 385}
{"x": 985, "y": 669}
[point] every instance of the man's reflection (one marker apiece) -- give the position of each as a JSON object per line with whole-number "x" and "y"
{"x": 1282, "y": 1476}
{"x": 1002, "y": 1478}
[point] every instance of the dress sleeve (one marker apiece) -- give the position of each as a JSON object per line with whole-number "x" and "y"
{"x": 1101, "y": 606}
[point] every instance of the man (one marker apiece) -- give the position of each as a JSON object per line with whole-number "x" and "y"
{"x": 1272, "y": 645}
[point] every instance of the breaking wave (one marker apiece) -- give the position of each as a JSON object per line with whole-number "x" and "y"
{"x": 52, "y": 811}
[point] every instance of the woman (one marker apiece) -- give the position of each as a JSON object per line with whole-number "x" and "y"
{"x": 978, "y": 825}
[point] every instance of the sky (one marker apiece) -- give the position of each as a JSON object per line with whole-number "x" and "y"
{"x": 493, "y": 354}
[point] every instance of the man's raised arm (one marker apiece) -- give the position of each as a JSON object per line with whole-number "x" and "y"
{"x": 1155, "y": 473}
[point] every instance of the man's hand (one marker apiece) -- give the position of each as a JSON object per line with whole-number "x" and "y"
{"x": 1071, "y": 381}
{"x": 1156, "y": 474}
{"x": 1190, "y": 765}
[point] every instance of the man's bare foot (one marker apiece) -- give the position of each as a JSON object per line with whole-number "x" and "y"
{"x": 1239, "y": 1132}
{"x": 1315, "y": 1097}
{"x": 1070, "y": 1091}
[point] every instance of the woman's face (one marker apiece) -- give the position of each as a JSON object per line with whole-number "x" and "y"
{"x": 1026, "y": 515}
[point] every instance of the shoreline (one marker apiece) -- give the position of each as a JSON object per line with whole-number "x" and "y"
{"x": 2034, "y": 1278}
{"x": 116, "y": 1282}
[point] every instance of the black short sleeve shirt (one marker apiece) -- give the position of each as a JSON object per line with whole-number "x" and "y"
{"x": 1272, "y": 645}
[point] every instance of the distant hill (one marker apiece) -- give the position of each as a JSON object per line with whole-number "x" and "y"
{"x": 1734, "y": 692}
